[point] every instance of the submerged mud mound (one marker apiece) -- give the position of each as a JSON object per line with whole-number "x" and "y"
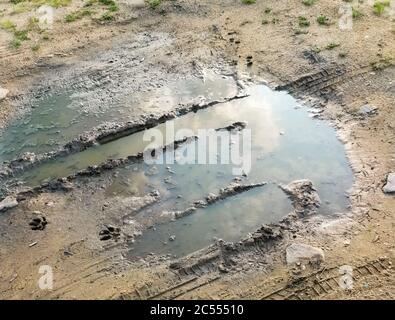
{"x": 229, "y": 191}
{"x": 225, "y": 256}
{"x": 304, "y": 197}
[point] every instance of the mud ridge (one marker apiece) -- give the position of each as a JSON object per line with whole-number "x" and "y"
{"x": 321, "y": 83}
{"x": 231, "y": 190}
{"x": 226, "y": 257}
{"x": 65, "y": 183}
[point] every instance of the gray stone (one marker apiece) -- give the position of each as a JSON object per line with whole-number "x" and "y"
{"x": 300, "y": 252}
{"x": 367, "y": 110}
{"x": 390, "y": 185}
{"x": 3, "y": 93}
{"x": 8, "y": 203}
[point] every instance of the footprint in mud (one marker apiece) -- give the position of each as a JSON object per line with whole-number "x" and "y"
{"x": 110, "y": 232}
{"x": 38, "y": 223}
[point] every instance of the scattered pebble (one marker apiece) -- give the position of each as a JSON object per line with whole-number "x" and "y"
{"x": 33, "y": 244}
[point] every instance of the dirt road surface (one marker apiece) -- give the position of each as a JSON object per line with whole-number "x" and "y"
{"x": 334, "y": 67}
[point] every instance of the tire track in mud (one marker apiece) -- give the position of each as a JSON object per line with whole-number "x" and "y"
{"x": 180, "y": 281}
{"x": 6, "y": 52}
{"x": 190, "y": 273}
{"x": 324, "y": 81}
{"x": 324, "y": 282}
{"x": 313, "y": 286}
{"x": 88, "y": 273}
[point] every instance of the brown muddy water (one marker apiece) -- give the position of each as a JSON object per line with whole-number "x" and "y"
{"x": 286, "y": 144}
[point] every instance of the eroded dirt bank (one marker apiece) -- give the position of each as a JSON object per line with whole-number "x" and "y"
{"x": 336, "y": 71}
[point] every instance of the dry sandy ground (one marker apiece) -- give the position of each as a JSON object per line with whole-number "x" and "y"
{"x": 357, "y": 71}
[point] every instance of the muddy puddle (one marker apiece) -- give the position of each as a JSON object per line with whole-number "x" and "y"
{"x": 57, "y": 118}
{"x": 229, "y": 220}
{"x": 286, "y": 144}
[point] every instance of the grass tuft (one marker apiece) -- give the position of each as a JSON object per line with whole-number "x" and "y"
{"x": 323, "y": 20}
{"x": 379, "y": 7}
{"x": 356, "y": 14}
{"x": 7, "y": 25}
{"x": 303, "y": 22}
{"x": 308, "y": 2}
{"x": 154, "y": 3}
{"x": 332, "y": 46}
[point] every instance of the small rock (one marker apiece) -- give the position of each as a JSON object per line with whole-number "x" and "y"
{"x": 222, "y": 268}
{"x": 300, "y": 252}
{"x": 8, "y": 203}
{"x": 172, "y": 237}
{"x": 390, "y": 185}
{"x": 367, "y": 110}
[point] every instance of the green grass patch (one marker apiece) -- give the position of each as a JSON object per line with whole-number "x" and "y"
{"x": 154, "y": 3}
{"x": 90, "y": 3}
{"x": 308, "y": 2}
{"x": 323, "y": 20}
{"x": 303, "y": 22}
{"x": 382, "y": 64}
{"x": 356, "y": 14}
{"x": 248, "y": 1}
{"x": 74, "y": 16}
{"x": 111, "y": 5}
{"x": 107, "y": 17}
{"x": 316, "y": 49}
{"x": 35, "y": 47}
{"x": 15, "y": 43}
{"x": 7, "y": 25}
{"x": 32, "y": 24}
{"x": 379, "y": 7}
{"x": 21, "y": 7}
{"x": 21, "y": 35}
{"x": 332, "y": 46}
